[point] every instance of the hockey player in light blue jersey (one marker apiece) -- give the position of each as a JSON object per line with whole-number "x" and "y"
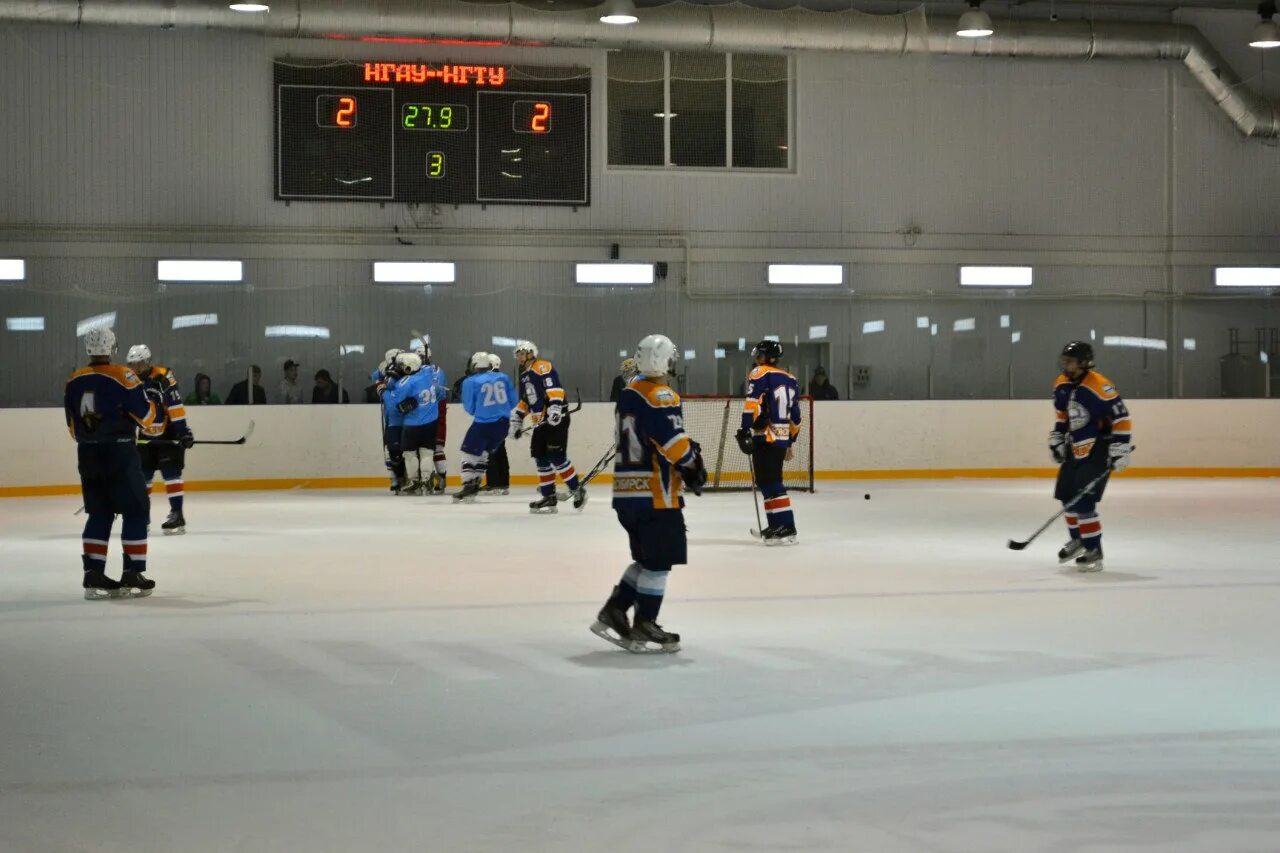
{"x": 384, "y": 377}
{"x": 416, "y": 395}
{"x": 488, "y": 395}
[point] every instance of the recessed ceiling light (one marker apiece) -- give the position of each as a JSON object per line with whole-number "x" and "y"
{"x": 249, "y": 7}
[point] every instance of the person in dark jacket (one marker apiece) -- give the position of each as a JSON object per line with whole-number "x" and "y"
{"x": 239, "y": 394}
{"x": 820, "y": 388}
{"x": 326, "y": 391}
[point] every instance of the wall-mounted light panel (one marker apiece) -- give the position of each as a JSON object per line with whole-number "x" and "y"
{"x": 614, "y": 275}
{"x": 188, "y": 271}
{"x": 996, "y": 276}
{"x": 291, "y": 331}
{"x": 24, "y": 324}
{"x": 806, "y": 275}
{"x": 13, "y": 269}
{"x": 1246, "y": 276}
{"x": 415, "y": 272}
{"x": 187, "y": 321}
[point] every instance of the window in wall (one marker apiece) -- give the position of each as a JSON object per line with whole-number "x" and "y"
{"x": 688, "y": 110}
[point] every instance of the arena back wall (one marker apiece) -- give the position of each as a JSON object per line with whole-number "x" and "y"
{"x": 337, "y": 446}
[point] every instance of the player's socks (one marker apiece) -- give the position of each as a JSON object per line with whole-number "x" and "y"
{"x": 546, "y": 478}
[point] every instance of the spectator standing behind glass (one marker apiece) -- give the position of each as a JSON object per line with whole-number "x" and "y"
{"x": 325, "y": 391}
{"x": 820, "y": 388}
{"x": 239, "y": 394}
{"x": 203, "y": 394}
{"x": 290, "y": 390}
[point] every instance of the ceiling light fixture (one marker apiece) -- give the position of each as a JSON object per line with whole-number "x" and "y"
{"x": 618, "y": 12}
{"x": 1266, "y": 34}
{"x": 249, "y": 7}
{"x": 974, "y": 23}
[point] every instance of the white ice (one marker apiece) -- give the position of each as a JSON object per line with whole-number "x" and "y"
{"x": 347, "y": 671}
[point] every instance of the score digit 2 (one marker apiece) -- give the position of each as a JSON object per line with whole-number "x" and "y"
{"x": 336, "y": 111}
{"x": 531, "y": 117}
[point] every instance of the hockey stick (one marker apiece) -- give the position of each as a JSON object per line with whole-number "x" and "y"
{"x": 758, "y": 531}
{"x": 1018, "y": 546}
{"x": 173, "y": 441}
{"x": 599, "y": 466}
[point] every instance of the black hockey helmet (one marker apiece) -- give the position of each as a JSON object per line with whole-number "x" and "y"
{"x": 770, "y": 350}
{"x": 1081, "y": 351}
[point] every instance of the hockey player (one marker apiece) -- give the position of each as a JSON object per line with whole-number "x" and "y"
{"x": 170, "y": 426}
{"x": 1093, "y": 434}
{"x": 655, "y": 460}
{"x": 415, "y": 395}
{"x": 497, "y": 480}
{"x": 544, "y": 402}
{"x": 392, "y": 421}
{"x": 105, "y": 405}
{"x": 488, "y": 395}
{"x": 770, "y": 424}
{"x": 439, "y": 475}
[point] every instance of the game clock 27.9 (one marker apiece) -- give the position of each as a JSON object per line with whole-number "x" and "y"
{"x": 378, "y": 131}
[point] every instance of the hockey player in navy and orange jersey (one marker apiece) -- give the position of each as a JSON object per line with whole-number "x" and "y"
{"x": 543, "y": 401}
{"x": 171, "y": 425}
{"x": 770, "y": 425}
{"x": 1092, "y": 434}
{"x": 105, "y": 405}
{"x": 656, "y": 460}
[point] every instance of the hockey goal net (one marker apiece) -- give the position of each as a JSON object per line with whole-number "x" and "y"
{"x": 712, "y": 421}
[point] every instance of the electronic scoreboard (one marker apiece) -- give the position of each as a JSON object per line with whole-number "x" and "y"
{"x": 412, "y": 132}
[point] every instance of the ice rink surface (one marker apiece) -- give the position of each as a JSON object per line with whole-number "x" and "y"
{"x": 346, "y": 671}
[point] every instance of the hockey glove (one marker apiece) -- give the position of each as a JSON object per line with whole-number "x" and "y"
{"x": 555, "y": 414}
{"x": 1118, "y": 454}
{"x": 1058, "y": 445}
{"x": 745, "y": 442}
{"x": 407, "y": 405}
{"x": 154, "y": 396}
{"x": 517, "y": 421}
{"x": 694, "y": 474}
{"x": 187, "y": 440}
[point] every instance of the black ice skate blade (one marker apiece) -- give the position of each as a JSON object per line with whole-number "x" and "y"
{"x": 175, "y": 531}
{"x": 102, "y": 594}
{"x": 546, "y": 510}
{"x": 636, "y": 647}
{"x": 134, "y": 593}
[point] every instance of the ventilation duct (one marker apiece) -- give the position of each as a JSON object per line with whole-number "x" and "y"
{"x": 685, "y": 27}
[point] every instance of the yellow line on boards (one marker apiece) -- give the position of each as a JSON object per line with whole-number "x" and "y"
{"x": 276, "y": 484}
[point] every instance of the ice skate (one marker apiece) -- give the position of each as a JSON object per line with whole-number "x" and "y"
{"x": 778, "y": 536}
{"x": 647, "y": 637}
{"x": 497, "y": 490}
{"x": 611, "y": 625}
{"x": 98, "y": 586}
{"x": 412, "y": 487}
{"x": 1090, "y": 560}
{"x": 544, "y": 505}
{"x": 1068, "y": 552}
{"x": 135, "y": 584}
{"x": 564, "y": 496}
{"x": 174, "y": 525}
{"x": 580, "y": 498}
{"x": 467, "y": 494}
{"x": 435, "y": 484}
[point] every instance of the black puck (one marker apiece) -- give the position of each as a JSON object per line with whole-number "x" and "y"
{"x": 866, "y": 497}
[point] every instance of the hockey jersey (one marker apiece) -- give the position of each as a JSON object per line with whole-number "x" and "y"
{"x": 1090, "y": 411}
{"x": 171, "y": 415}
{"x": 540, "y": 386}
{"x": 772, "y": 408}
{"x": 652, "y": 445}
{"x": 107, "y": 403}
{"x": 427, "y": 385}
{"x": 488, "y": 397}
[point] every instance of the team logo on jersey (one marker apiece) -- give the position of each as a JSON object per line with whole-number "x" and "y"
{"x": 1078, "y": 416}
{"x": 665, "y": 395}
{"x": 1108, "y": 389}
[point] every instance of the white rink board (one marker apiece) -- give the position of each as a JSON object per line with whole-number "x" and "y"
{"x": 299, "y": 442}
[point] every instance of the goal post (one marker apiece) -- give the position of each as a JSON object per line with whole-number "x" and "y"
{"x": 713, "y": 419}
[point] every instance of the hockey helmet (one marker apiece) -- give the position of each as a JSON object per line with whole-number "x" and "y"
{"x": 495, "y": 363}
{"x": 138, "y": 354}
{"x": 525, "y": 347}
{"x": 656, "y": 355}
{"x": 408, "y": 362}
{"x": 391, "y": 355}
{"x": 1081, "y": 351}
{"x": 100, "y": 341}
{"x": 767, "y": 349}
{"x": 480, "y": 361}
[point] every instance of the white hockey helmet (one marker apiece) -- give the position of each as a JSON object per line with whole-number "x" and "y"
{"x": 528, "y": 347}
{"x": 390, "y": 355}
{"x": 409, "y": 362}
{"x": 495, "y": 363}
{"x": 480, "y": 361}
{"x": 100, "y": 341}
{"x": 138, "y": 353}
{"x": 656, "y": 355}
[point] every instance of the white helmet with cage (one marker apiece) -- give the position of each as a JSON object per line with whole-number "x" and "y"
{"x": 525, "y": 348}
{"x": 100, "y": 341}
{"x": 138, "y": 354}
{"x": 480, "y": 361}
{"x": 409, "y": 362}
{"x": 656, "y": 355}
